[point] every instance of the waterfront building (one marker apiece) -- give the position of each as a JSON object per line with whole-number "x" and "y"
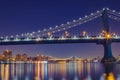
{"x": 24, "y": 57}
{"x": 18, "y": 57}
{"x": 39, "y": 57}
{"x": 7, "y": 55}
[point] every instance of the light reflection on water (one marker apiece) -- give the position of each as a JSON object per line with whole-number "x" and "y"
{"x": 60, "y": 71}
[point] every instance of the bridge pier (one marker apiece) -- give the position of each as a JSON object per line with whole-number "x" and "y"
{"x": 108, "y": 57}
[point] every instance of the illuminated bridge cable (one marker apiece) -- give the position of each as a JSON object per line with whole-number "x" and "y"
{"x": 114, "y": 17}
{"x": 62, "y": 27}
{"x": 76, "y": 24}
{"x": 69, "y": 24}
{"x": 113, "y": 12}
{"x": 72, "y": 24}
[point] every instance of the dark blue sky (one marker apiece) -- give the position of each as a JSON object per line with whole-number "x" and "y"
{"x": 20, "y": 16}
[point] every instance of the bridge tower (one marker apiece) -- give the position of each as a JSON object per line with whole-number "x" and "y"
{"x": 108, "y": 57}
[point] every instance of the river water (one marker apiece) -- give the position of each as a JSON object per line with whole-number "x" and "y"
{"x": 59, "y": 71}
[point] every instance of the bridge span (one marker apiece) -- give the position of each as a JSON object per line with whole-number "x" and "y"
{"x": 97, "y": 40}
{"x": 106, "y": 38}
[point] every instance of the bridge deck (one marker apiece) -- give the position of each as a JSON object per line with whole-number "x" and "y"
{"x": 56, "y": 41}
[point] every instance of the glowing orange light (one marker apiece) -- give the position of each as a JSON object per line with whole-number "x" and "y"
{"x": 7, "y": 50}
{"x": 37, "y": 39}
{"x": 67, "y": 33}
{"x": 111, "y": 76}
{"x": 108, "y": 36}
{"x": 49, "y": 33}
{"x": 84, "y": 33}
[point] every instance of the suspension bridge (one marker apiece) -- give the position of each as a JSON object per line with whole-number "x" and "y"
{"x": 46, "y": 36}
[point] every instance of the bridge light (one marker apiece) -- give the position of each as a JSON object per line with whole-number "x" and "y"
{"x": 116, "y": 36}
{"x": 98, "y": 11}
{"x": 84, "y": 33}
{"x": 75, "y": 37}
{"x": 11, "y": 36}
{"x": 68, "y": 22}
{"x": 44, "y": 30}
{"x": 108, "y": 9}
{"x": 108, "y": 36}
{"x": 103, "y": 8}
{"x": 64, "y": 28}
{"x": 86, "y": 16}
{"x": 22, "y": 34}
{"x": 50, "y": 28}
{"x": 87, "y": 36}
{"x": 67, "y": 34}
{"x": 100, "y": 14}
{"x": 91, "y": 13}
{"x": 38, "y": 30}
{"x": 1, "y": 37}
{"x": 80, "y": 18}
{"x": 37, "y": 39}
{"x": 27, "y": 39}
{"x": 49, "y": 34}
{"x": 74, "y": 20}
{"x": 100, "y": 36}
{"x": 50, "y": 38}
{"x": 62, "y": 37}
{"x": 6, "y": 39}
{"x": 27, "y": 34}
{"x": 17, "y": 35}
{"x": 56, "y": 26}
{"x": 62, "y": 24}
{"x": 113, "y": 11}
{"x": 16, "y": 39}
{"x": 33, "y": 32}
{"x": 59, "y": 30}
{"x": 38, "y": 35}
{"x": 103, "y": 32}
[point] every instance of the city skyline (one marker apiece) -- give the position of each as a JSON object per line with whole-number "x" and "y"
{"x": 34, "y": 15}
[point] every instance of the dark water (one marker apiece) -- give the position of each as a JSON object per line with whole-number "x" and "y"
{"x": 60, "y": 71}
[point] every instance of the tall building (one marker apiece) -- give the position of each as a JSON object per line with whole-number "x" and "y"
{"x": 7, "y": 55}
{"x": 18, "y": 57}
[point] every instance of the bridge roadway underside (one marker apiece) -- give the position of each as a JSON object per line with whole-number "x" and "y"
{"x": 66, "y": 41}
{"x": 108, "y": 57}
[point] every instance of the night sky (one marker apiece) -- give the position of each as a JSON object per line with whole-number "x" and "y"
{"x": 21, "y": 16}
